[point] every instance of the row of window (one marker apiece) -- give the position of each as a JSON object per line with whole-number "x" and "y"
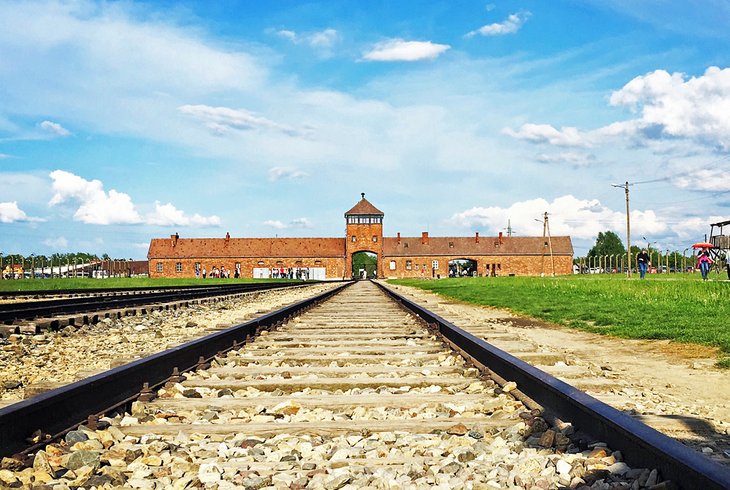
{"x": 179, "y": 267}
{"x": 409, "y": 264}
{"x": 435, "y": 265}
{"x": 354, "y": 238}
{"x": 365, "y": 220}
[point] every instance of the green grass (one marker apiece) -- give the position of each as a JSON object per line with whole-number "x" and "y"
{"x": 680, "y": 308}
{"x": 114, "y": 282}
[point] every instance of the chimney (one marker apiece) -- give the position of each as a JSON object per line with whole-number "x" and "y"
{"x": 477, "y": 237}
{"x": 500, "y": 238}
{"x": 228, "y": 236}
{"x": 424, "y": 237}
{"x": 173, "y": 239}
{"x": 399, "y": 238}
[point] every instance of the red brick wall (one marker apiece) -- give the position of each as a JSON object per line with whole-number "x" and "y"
{"x": 334, "y": 266}
{"x": 522, "y": 265}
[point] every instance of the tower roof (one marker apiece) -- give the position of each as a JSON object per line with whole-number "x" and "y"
{"x": 364, "y": 207}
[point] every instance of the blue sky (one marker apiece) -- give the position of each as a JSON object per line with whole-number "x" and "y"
{"x": 124, "y": 121}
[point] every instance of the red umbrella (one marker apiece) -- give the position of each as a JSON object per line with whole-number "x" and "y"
{"x": 703, "y": 245}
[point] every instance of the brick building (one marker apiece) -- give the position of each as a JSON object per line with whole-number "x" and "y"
{"x": 333, "y": 258}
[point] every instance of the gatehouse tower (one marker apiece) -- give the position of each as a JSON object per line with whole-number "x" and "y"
{"x": 364, "y": 233}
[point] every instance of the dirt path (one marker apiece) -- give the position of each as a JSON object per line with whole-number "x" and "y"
{"x": 673, "y": 387}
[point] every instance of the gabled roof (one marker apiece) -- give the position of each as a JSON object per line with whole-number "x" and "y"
{"x": 468, "y": 246}
{"x": 246, "y": 247}
{"x": 364, "y": 207}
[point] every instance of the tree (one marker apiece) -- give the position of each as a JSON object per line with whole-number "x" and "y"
{"x": 607, "y": 243}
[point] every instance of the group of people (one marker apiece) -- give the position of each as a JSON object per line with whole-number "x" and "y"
{"x": 704, "y": 261}
{"x": 290, "y": 273}
{"x": 215, "y": 272}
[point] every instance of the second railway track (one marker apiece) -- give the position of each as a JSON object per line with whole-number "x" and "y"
{"x": 354, "y": 393}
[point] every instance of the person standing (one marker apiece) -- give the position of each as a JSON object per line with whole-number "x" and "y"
{"x": 703, "y": 262}
{"x": 643, "y": 261}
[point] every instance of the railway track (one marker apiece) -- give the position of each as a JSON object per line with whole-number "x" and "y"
{"x": 604, "y": 381}
{"x": 36, "y": 309}
{"x": 354, "y": 392}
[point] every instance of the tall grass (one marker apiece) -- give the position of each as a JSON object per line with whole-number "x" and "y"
{"x": 680, "y": 308}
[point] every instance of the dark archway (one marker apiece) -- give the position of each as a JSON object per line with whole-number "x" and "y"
{"x": 364, "y": 265}
{"x": 462, "y": 268}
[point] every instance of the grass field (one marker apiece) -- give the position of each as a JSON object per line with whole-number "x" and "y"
{"x": 677, "y": 307}
{"x": 114, "y": 282}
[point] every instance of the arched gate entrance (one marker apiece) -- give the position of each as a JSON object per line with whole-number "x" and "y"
{"x": 364, "y": 265}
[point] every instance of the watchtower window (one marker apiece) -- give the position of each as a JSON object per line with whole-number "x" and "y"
{"x": 354, "y": 238}
{"x": 375, "y": 238}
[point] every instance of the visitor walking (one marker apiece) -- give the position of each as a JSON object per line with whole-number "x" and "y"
{"x": 643, "y": 261}
{"x": 703, "y": 262}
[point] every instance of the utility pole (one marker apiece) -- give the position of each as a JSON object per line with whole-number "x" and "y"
{"x": 628, "y": 226}
{"x": 549, "y": 243}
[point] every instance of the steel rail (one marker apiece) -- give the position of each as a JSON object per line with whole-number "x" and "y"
{"x": 641, "y": 445}
{"x": 99, "y": 291}
{"x": 59, "y": 410}
{"x": 47, "y": 308}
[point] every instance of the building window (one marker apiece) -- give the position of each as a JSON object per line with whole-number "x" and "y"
{"x": 392, "y": 265}
{"x": 354, "y": 238}
{"x": 375, "y": 238}
{"x": 409, "y": 265}
{"x": 159, "y": 266}
{"x": 423, "y": 267}
{"x": 405, "y": 245}
{"x": 317, "y": 262}
{"x": 178, "y": 267}
{"x": 451, "y": 244}
{"x": 434, "y": 264}
{"x": 260, "y": 262}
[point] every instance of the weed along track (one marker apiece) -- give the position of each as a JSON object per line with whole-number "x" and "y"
{"x": 355, "y": 392}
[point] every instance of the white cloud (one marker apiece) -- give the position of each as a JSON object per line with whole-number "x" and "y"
{"x": 98, "y": 207}
{"x": 4, "y": 156}
{"x": 670, "y": 106}
{"x": 95, "y": 205}
{"x": 301, "y": 223}
{"x": 291, "y": 173}
{"x": 58, "y": 243}
{"x": 222, "y": 120}
{"x": 287, "y": 34}
{"x": 579, "y": 218}
{"x": 511, "y": 25}
{"x": 400, "y": 50}
{"x": 570, "y": 157}
{"x": 10, "y": 213}
{"x": 704, "y": 179}
{"x": 324, "y": 39}
{"x": 167, "y": 214}
{"x": 295, "y": 223}
{"x": 55, "y": 128}
{"x": 545, "y": 133}
{"x": 274, "y": 224}
{"x": 673, "y": 106}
